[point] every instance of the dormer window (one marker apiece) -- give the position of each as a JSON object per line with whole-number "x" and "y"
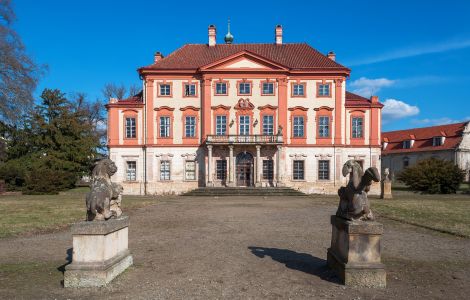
{"x": 437, "y": 141}
{"x": 407, "y": 144}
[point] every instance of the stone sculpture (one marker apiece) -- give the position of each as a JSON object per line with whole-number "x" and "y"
{"x": 354, "y": 204}
{"x": 386, "y": 185}
{"x": 103, "y": 202}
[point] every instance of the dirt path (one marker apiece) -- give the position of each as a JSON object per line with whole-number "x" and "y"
{"x": 240, "y": 248}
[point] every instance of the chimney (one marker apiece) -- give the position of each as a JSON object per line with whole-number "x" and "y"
{"x": 212, "y": 32}
{"x": 374, "y": 99}
{"x": 158, "y": 56}
{"x": 331, "y": 55}
{"x": 278, "y": 36}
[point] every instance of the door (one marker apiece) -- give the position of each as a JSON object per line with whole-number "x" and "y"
{"x": 244, "y": 169}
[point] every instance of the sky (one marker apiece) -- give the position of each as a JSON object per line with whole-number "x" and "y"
{"x": 415, "y": 55}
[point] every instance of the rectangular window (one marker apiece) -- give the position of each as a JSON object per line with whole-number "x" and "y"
{"x": 244, "y": 125}
{"x": 244, "y": 88}
{"x": 406, "y": 162}
{"x": 298, "y": 126}
{"x": 220, "y": 125}
{"x": 190, "y": 170}
{"x": 407, "y": 144}
{"x": 130, "y": 128}
{"x": 190, "y": 89}
{"x": 298, "y": 170}
{"x": 165, "y": 90}
{"x": 190, "y": 126}
{"x": 324, "y": 169}
{"x": 324, "y": 90}
{"x": 131, "y": 171}
{"x": 268, "y": 169}
{"x": 164, "y": 126}
{"x": 298, "y": 89}
{"x": 221, "y": 88}
{"x": 357, "y": 127}
{"x": 221, "y": 169}
{"x": 268, "y": 88}
{"x": 324, "y": 127}
{"x": 165, "y": 170}
{"x": 268, "y": 125}
{"x": 437, "y": 141}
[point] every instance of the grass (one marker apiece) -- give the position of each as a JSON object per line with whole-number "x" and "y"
{"x": 445, "y": 213}
{"x": 22, "y": 214}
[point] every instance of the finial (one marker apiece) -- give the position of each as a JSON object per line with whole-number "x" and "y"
{"x": 228, "y": 37}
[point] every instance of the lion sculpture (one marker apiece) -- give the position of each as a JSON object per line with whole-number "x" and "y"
{"x": 353, "y": 204}
{"x": 103, "y": 202}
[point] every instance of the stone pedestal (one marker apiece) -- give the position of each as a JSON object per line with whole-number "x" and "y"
{"x": 100, "y": 252}
{"x": 386, "y": 191}
{"x": 355, "y": 252}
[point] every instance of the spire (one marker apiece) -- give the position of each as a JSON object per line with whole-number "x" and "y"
{"x": 228, "y": 37}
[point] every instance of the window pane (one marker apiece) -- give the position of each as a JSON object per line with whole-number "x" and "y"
{"x": 165, "y": 90}
{"x": 298, "y": 89}
{"x": 298, "y": 126}
{"x": 244, "y": 125}
{"x": 357, "y": 127}
{"x": 268, "y": 88}
{"x": 190, "y": 170}
{"x": 268, "y": 169}
{"x": 164, "y": 126}
{"x": 221, "y": 169}
{"x": 130, "y": 128}
{"x": 245, "y": 88}
{"x": 324, "y": 127}
{"x": 324, "y": 169}
{"x": 165, "y": 170}
{"x": 190, "y": 126}
{"x": 221, "y": 125}
{"x": 131, "y": 171}
{"x": 298, "y": 170}
{"x": 324, "y": 90}
{"x": 221, "y": 88}
{"x": 268, "y": 125}
{"x": 190, "y": 89}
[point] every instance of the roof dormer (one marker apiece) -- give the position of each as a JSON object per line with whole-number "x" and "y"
{"x": 438, "y": 141}
{"x": 385, "y": 143}
{"x": 408, "y": 144}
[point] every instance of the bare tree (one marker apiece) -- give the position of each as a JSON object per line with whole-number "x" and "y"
{"x": 18, "y": 73}
{"x": 112, "y": 90}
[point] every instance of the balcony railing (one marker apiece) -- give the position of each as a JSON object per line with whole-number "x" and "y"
{"x": 244, "y": 139}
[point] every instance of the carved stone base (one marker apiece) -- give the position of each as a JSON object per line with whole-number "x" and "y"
{"x": 386, "y": 192}
{"x": 100, "y": 252}
{"x": 355, "y": 252}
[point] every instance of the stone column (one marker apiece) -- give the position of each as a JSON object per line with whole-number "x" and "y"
{"x": 258, "y": 165}
{"x": 278, "y": 166}
{"x": 209, "y": 163}
{"x": 231, "y": 170}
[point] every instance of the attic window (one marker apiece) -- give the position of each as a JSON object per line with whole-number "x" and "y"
{"x": 437, "y": 141}
{"x": 407, "y": 144}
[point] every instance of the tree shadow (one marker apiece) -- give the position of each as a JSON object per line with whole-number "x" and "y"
{"x": 303, "y": 262}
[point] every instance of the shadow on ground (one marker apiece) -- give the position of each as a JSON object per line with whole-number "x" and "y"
{"x": 303, "y": 262}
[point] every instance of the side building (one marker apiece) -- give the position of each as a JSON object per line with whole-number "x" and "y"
{"x": 404, "y": 148}
{"x": 242, "y": 115}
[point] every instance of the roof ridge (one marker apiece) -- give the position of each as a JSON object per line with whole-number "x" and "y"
{"x": 427, "y": 127}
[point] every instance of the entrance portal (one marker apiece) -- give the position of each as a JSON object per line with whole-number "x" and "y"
{"x": 244, "y": 169}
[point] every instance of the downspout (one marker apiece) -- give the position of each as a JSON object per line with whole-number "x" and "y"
{"x": 144, "y": 147}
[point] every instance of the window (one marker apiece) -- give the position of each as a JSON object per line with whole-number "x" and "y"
{"x": 190, "y": 126}
{"x": 406, "y": 162}
{"x": 130, "y": 128}
{"x": 407, "y": 144}
{"x": 268, "y": 125}
{"x": 268, "y": 88}
{"x": 220, "y": 125}
{"x": 131, "y": 173}
{"x": 298, "y": 89}
{"x": 298, "y": 170}
{"x": 323, "y": 169}
{"x": 221, "y": 169}
{"x": 437, "y": 141}
{"x": 298, "y": 126}
{"x": 165, "y": 170}
{"x": 190, "y": 89}
{"x": 190, "y": 170}
{"x": 324, "y": 127}
{"x": 164, "y": 126}
{"x": 244, "y": 125}
{"x": 268, "y": 169}
{"x": 165, "y": 90}
{"x": 244, "y": 88}
{"x": 221, "y": 88}
{"x": 324, "y": 90}
{"x": 357, "y": 128}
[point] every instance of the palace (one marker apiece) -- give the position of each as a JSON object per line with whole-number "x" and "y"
{"x": 263, "y": 115}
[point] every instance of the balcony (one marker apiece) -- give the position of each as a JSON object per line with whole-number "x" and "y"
{"x": 244, "y": 139}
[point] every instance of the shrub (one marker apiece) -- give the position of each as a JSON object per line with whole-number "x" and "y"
{"x": 434, "y": 176}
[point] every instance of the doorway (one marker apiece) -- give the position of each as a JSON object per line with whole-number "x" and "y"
{"x": 244, "y": 169}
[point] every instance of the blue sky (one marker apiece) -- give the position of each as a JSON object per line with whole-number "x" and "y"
{"x": 415, "y": 55}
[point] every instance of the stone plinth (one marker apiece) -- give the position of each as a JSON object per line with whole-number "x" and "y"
{"x": 100, "y": 252}
{"x": 355, "y": 252}
{"x": 386, "y": 192}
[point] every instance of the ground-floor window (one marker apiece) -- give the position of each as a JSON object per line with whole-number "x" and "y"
{"x": 324, "y": 169}
{"x": 190, "y": 170}
{"x": 165, "y": 170}
{"x": 268, "y": 169}
{"x": 221, "y": 169}
{"x": 298, "y": 170}
{"x": 131, "y": 171}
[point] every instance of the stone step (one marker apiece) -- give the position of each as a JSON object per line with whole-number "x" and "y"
{"x": 248, "y": 191}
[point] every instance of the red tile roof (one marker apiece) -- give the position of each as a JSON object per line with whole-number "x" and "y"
{"x": 423, "y": 138}
{"x": 354, "y": 100}
{"x": 293, "y": 56}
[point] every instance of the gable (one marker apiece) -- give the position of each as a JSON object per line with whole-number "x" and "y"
{"x": 243, "y": 60}
{"x": 243, "y": 63}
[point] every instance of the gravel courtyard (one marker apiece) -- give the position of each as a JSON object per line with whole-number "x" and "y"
{"x": 239, "y": 247}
